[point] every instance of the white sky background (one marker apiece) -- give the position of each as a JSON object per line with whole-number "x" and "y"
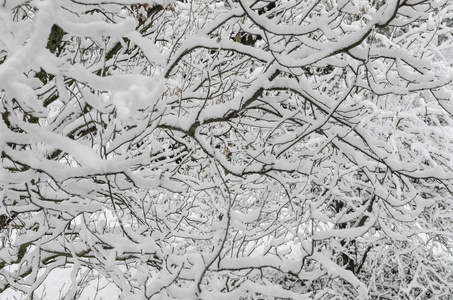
{"x": 58, "y": 282}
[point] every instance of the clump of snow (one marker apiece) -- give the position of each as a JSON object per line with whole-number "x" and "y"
{"x": 129, "y": 103}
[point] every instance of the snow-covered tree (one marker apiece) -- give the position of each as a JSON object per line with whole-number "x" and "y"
{"x": 229, "y": 149}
